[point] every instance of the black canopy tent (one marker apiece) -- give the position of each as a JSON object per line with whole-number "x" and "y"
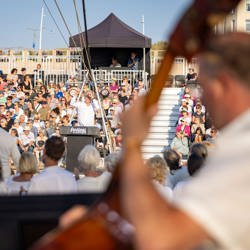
{"x": 112, "y": 37}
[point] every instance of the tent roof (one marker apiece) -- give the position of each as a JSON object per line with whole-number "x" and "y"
{"x": 113, "y": 33}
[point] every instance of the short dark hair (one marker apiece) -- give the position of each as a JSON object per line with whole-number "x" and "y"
{"x": 55, "y": 148}
{"x": 172, "y": 158}
{"x": 194, "y": 163}
{"x": 199, "y": 149}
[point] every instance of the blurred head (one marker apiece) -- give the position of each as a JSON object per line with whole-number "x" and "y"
{"x": 54, "y": 148}
{"x": 199, "y": 149}
{"x": 89, "y": 159}
{"x": 158, "y": 169}
{"x": 172, "y": 159}
{"x": 194, "y": 163}
{"x": 27, "y": 163}
{"x": 111, "y": 161}
{"x": 224, "y": 76}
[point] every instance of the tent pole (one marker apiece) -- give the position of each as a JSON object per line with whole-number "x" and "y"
{"x": 144, "y": 55}
{"x": 86, "y": 32}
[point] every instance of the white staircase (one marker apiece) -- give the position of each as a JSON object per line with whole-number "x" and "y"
{"x": 163, "y": 126}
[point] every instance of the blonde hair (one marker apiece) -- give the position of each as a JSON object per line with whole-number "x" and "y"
{"x": 158, "y": 169}
{"x": 27, "y": 163}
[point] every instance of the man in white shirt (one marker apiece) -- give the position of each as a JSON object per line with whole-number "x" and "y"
{"x": 85, "y": 112}
{"x": 215, "y": 205}
{"x": 53, "y": 179}
{"x": 8, "y": 150}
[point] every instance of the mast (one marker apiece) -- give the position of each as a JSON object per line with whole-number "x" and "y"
{"x": 41, "y": 30}
{"x": 86, "y": 34}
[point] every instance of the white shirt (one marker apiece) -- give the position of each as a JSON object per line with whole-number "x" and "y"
{"x": 26, "y": 139}
{"x": 165, "y": 191}
{"x": 219, "y": 196}
{"x": 8, "y": 150}
{"x": 94, "y": 184}
{"x": 14, "y": 187}
{"x": 86, "y": 114}
{"x": 53, "y": 179}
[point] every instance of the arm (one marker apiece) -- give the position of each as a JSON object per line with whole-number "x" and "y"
{"x": 15, "y": 155}
{"x": 152, "y": 217}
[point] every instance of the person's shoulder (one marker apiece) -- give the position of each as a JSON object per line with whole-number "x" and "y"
{"x": 66, "y": 173}
{"x": 6, "y": 136}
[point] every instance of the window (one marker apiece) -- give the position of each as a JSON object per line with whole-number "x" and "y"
{"x": 248, "y": 25}
{"x": 179, "y": 60}
{"x": 247, "y": 5}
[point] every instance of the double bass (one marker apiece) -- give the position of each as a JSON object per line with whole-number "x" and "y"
{"x": 104, "y": 226}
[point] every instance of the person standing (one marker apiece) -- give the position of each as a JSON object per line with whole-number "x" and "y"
{"x": 85, "y": 112}
{"x": 8, "y": 150}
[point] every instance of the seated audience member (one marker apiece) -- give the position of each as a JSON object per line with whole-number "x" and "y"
{"x": 53, "y": 179}
{"x": 159, "y": 172}
{"x": 93, "y": 181}
{"x": 198, "y": 136}
{"x": 3, "y": 124}
{"x": 211, "y": 135}
{"x": 197, "y": 124}
{"x": 198, "y": 102}
{"x": 185, "y": 106}
{"x": 189, "y": 100}
{"x": 196, "y": 159}
{"x": 184, "y": 114}
{"x": 39, "y": 144}
{"x": 141, "y": 87}
{"x": 27, "y": 140}
{"x": 113, "y": 87}
{"x": 200, "y": 149}
{"x": 133, "y": 62}
{"x": 19, "y": 184}
{"x": 115, "y": 63}
{"x": 177, "y": 172}
{"x": 198, "y": 113}
{"x": 191, "y": 76}
{"x": 127, "y": 85}
{"x": 183, "y": 127}
{"x": 111, "y": 161}
{"x": 180, "y": 144}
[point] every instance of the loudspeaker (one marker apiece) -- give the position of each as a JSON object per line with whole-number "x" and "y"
{"x": 75, "y": 144}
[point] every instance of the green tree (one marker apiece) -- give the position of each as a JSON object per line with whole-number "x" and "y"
{"x": 161, "y": 45}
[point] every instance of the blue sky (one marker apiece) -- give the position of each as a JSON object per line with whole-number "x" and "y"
{"x": 20, "y": 17}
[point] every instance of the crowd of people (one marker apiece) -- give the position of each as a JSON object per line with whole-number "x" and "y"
{"x": 194, "y": 124}
{"x": 210, "y": 208}
{"x": 32, "y": 112}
